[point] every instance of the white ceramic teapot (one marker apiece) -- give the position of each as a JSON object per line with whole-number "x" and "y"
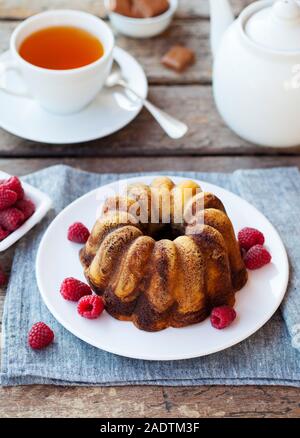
{"x": 257, "y": 70}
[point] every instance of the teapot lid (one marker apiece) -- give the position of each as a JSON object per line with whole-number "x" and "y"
{"x": 276, "y": 27}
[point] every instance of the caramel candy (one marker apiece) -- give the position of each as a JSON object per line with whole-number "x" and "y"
{"x": 150, "y": 8}
{"x": 179, "y": 58}
{"x": 135, "y": 11}
{"x": 122, "y": 7}
{"x": 139, "y": 8}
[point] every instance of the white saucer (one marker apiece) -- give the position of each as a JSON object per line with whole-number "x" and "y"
{"x": 58, "y": 258}
{"x": 110, "y": 111}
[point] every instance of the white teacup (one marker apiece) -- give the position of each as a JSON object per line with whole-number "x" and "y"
{"x": 61, "y": 91}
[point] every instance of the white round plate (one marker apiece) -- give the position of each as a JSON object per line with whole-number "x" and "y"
{"x": 58, "y": 258}
{"x": 110, "y": 111}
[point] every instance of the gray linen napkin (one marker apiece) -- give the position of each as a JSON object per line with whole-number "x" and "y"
{"x": 271, "y": 356}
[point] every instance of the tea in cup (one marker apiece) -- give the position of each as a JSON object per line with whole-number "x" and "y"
{"x": 64, "y": 58}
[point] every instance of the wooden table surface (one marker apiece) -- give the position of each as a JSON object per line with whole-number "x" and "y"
{"x": 209, "y": 146}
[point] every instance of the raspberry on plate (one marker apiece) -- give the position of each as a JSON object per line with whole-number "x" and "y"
{"x": 7, "y": 198}
{"x": 14, "y": 184}
{"x": 11, "y": 218}
{"x": 257, "y": 257}
{"x": 3, "y": 233}
{"x": 73, "y": 289}
{"x": 90, "y": 306}
{"x": 78, "y": 233}
{"x": 221, "y": 317}
{"x": 249, "y": 237}
{"x": 40, "y": 336}
{"x": 26, "y": 206}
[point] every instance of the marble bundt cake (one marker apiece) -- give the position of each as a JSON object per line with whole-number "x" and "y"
{"x": 161, "y": 273}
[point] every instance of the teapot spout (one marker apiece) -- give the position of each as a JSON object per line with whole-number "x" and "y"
{"x": 221, "y": 17}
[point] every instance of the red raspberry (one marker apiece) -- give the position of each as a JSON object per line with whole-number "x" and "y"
{"x": 11, "y": 218}
{"x": 40, "y": 336}
{"x": 78, "y": 233}
{"x": 3, "y": 233}
{"x": 90, "y": 306}
{"x": 221, "y": 317}
{"x": 3, "y": 278}
{"x": 26, "y": 206}
{"x": 14, "y": 184}
{"x": 257, "y": 257}
{"x": 249, "y": 237}
{"x": 7, "y": 198}
{"x": 72, "y": 289}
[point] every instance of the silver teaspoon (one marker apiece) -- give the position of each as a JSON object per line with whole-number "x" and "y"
{"x": 173, "y": 127}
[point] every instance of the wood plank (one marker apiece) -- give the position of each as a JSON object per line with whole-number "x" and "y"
{"x": 23, "y": 8}
{"x": 194, "y": 34}
{"x": 207, "y": 135}
{"x": 149, "y": 402}
{"x": 20, "y": 9}
{"x": 21, "y": 166}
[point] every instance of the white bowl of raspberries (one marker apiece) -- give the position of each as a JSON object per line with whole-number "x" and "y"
{"x": 22, "y": 206}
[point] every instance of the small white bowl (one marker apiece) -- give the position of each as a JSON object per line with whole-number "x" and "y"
{"x": 42, "y": 205}
{"x": 141, "y": 27}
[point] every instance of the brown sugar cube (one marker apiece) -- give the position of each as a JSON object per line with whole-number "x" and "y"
{"x": 122, "y": 7}
{"x": 178, "y": 58}
{"x": 135, "y": 11}
{"x": 150, "y": 8}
